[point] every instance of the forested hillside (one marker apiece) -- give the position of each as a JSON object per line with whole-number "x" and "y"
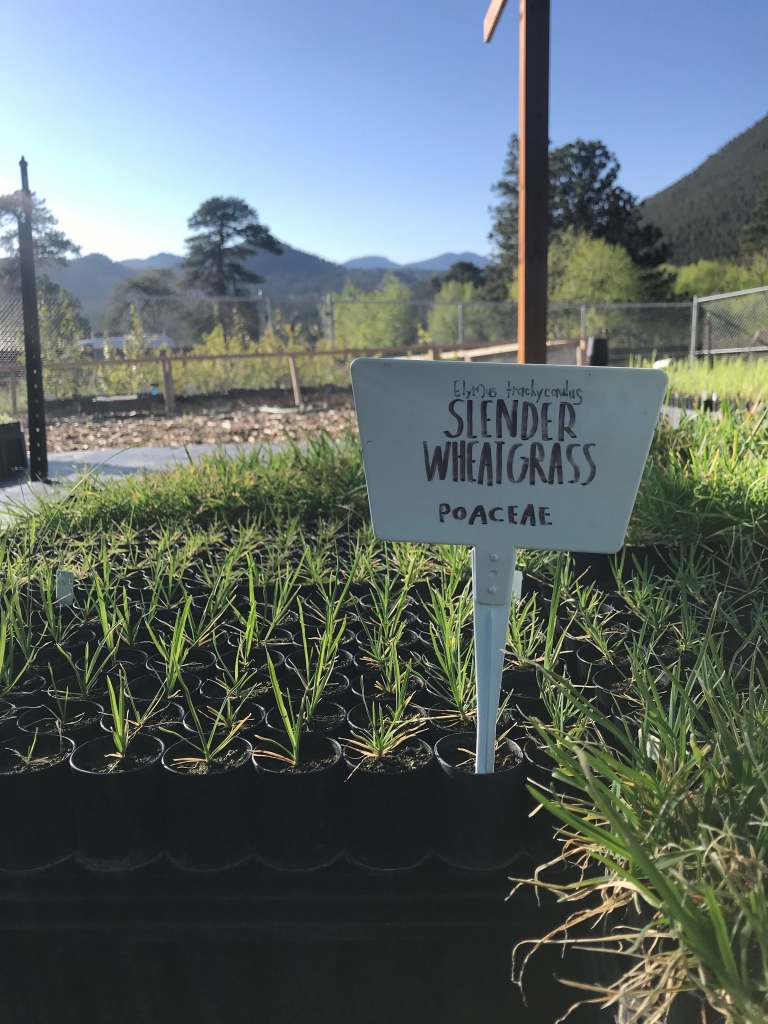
{"x": 702, "y": 214}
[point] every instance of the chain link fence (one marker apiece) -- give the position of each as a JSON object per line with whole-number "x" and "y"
{"x": 11, "y": 356}
{"x": 634, "y": 330}
{"x": 138, "y": 326}
{"x": 735, "y": 323}
{"x": 11, "y": 332}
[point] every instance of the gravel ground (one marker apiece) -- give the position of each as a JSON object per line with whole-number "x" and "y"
{"x": 240, "y": 423}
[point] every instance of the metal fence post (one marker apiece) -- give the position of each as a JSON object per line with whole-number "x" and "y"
{"x": 461, "y": 324}
{"x": 694, "y": 330}
{"x": 708, "y": 340}
{"x": 38, "y": 440}
{"x": 14, "y": 397}
{"x": 332, "y": 321}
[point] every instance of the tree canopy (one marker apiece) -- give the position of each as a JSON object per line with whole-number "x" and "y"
{"x": 754, "y": 234}
{"x": 463, "y": 272}
{"x": 51, "y": 246}
{"x": 228, "y": 232}
{"x": 151, "y": 293}
{"x": 714, "y": 277}
{"x": 583, "y": 196}
{"x": 62, "y": 323}
{"x": 586, "y": 269}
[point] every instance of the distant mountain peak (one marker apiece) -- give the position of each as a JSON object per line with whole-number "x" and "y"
{"x": 161, "y": 261}
{"x": 437, "y": 264}
{"x": 371, "y": 263}
{"x": 701, "y": 215}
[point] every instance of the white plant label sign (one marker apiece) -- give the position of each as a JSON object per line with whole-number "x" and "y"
{"x": 497, "y": 457}
{"x": 494, "y": 453}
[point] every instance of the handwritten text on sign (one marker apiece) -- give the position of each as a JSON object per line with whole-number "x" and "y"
{"x": 551, "y": 454}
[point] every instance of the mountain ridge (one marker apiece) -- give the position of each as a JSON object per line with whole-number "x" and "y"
{"x": 436, "y": 264}
{"x": 701, "y": 214}
{"x": 296, "y": 274}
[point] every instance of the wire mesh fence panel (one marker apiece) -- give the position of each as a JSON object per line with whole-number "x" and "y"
{"x": 732, "y": 324}
{"x": 12, "y": 395}
{"x": 11, "y": 332}
{"x": 633, "y": 329}
{"x": 641, "y": 330}
{"x": 240, "y": 332}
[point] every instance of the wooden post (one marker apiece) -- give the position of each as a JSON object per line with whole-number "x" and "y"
{"x": 168, "y": 392}
{"x": 38, "y": 439}
{"x": 533, "y": 182}
{"x": 295, "y": 382}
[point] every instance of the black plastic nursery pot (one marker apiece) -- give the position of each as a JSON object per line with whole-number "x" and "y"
{"x": 118, "y": 812}
{"x": 328, "y": 719}
{"x": 209, "y": 809}
{"x": 389, "y": 808}
{"x": 80, "y": 720}
{"x": 29, "y": 692}
{"x": 35, "y": 803}
{"x": 298, "y": 811}
{"x": 480, "y": 818}
{"x": 8, "y": 724}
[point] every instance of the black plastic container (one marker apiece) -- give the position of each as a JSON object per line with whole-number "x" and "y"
{"x": 590, "y": 660}
{"x": 592, "y": 567}
{"x": 329, "y": 719}
{"x": 81, "y": 721}
{"x": 28, "y": 693}
{"x": 298, "y": 824}
{"x": 118, "y": 814}
{"x": 132, "y": 660}
{"x": 8, "y": 723}
{"x": 480, "y": 818}
{"x": 166, "y": 722}
{"x": 389, "y": 815}
{"x": 255, "y": 713}
{"x": 36, "y": 805}
{"x": 208, "y": 816}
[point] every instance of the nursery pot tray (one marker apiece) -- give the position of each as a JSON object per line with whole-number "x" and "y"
{"x": 283, "y": 946}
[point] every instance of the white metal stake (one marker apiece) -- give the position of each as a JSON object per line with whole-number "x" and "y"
{"x": 493, "y": 574}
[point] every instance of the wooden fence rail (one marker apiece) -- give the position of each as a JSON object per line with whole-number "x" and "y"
{"x": 167, "y": 363}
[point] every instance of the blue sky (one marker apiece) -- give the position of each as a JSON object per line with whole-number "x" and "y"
{"x": 353, "y": 126}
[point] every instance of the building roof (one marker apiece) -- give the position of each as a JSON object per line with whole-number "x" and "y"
{"x": 117, "y": 341}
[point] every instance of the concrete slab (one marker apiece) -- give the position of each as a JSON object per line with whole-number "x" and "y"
{"x": 19, "y": 495}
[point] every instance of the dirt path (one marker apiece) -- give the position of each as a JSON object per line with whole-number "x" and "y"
{"x": 238, "y": 424}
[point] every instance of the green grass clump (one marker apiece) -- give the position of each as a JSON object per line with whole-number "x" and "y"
{"x": 736, "y": 379}
{"x": 704, "y": 478}
{"x": 667, "y": 803}
{"x": 701, "y": 480}
{"x": 665, "y": 808}
{"x": 320, "y": 480}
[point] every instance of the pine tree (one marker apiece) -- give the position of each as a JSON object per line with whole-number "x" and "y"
{"x": 228, "y": 233}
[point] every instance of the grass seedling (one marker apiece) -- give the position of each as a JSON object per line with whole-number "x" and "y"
{"x": 126, "y": 719}
{"x": 526, "y": 633}
{"x": 11, "y": 671}
{"x": 294, "y": 722}
{"x": 454, "y": 678}
{"x": 175, "y": 651}
{"x": 210, "y": 740}
{"x": 317, "y": 660}
{"x": 390, "y": 724}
